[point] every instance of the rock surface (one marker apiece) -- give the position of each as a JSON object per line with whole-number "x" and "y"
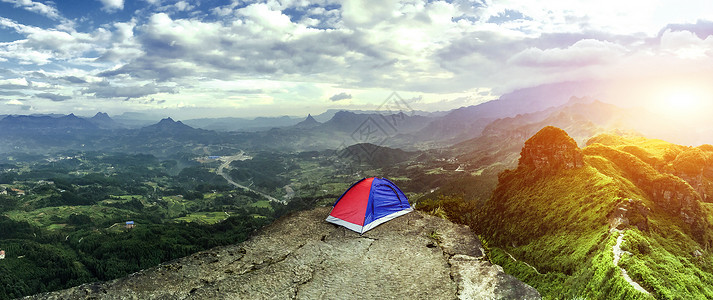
{"x": 551, "y": 148}
{"x": 300, "y": 256}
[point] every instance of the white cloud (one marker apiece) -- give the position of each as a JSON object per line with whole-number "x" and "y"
{"x": 14, "y": 102}
{"x": 266, "y": 18}
{"x": 685, "y": 44}
{"x": 112, "y": 5}
{"x": 581, "y": 54}
{"x": 36, "y": 7}
{"x": 14, "y": 83}
{"x": 183, "y": 6}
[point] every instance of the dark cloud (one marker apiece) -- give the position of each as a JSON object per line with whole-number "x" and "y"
{"x": 226, "y": 51}
{"x": 153, "y": 68}
{"x": 340, "y": 96}
{"x": 106, "y": 90}
{"x": 702, "y": 28}
{"x": 53, "y": 97}
{"x": 38, "y": 75}
{"x": 507, "y": 16}
{"x": 74, "y": 79}
{"x": 248, "y": 91}
{"x": 11, "y": 93}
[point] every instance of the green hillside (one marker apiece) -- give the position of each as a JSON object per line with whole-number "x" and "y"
{"x": 555, "y": 221}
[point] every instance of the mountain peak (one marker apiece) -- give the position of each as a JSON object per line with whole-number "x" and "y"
{"x": 553, "y": 148}
{"x": 169, "y": 125}
{"x": 309, "y": 122}
{"x": 101, "y": 115}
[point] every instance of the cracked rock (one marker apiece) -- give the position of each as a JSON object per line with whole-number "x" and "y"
{"x": 301, "y": 256}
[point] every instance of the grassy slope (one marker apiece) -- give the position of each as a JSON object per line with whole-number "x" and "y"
{"x": 558, "y": 223}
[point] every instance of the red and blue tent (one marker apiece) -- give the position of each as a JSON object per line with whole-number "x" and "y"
{"x": 368, "y": 203}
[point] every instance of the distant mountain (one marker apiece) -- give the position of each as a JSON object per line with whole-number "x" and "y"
{"x": 101, "y": 117}
{"x": 47, "y": 123}
{"x": 307, "y": 123}
{"x": 168, "y": 128}
{"x": 468, "y": 122}
{"x": 39, "y": 134}
{"x": 381, "y": 124}
{"x": 168, "y": 125}
{"x": 241, "y": 124}
{"x": 325, "y": 116}
{"x": 102, "y": 120}
{"x": 498, "y": 147}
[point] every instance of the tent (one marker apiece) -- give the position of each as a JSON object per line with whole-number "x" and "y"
{"x": 368, "y": 203}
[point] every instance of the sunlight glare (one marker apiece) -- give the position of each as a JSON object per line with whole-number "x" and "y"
{"x": 681, "y": 104}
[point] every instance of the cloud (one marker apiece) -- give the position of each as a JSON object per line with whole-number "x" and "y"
{"x": 686, "y": 44}
{"x": 15, "y": 83}
{"x": 53, "y": 97}
{"x": 11, "y": 93}
{"x": 340, "y": 96}
{"x": 106, "y": 90}
{"x": 36, "y": 7}
{"x": 581, "y": 54}
{"x": 111, "y": 6}
{"x": 42, "y": 46}
{"x": 438, "y": 49}
{"x": 74, "y": 79}
{"x": 249, "y": 91}
{"x": 508, "y": 15}
{"x": 183, "y": 6}
{"x": 14, "y": 102}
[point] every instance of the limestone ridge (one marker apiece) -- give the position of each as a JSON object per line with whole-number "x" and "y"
{"x": 301, "y": 256}
{"x": 551, "y": 149}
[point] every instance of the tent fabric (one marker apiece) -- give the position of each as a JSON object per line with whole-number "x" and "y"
{"x": 368, "y": 203}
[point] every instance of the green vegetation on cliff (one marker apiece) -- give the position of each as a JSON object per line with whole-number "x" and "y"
{"x": 554, "y": 222}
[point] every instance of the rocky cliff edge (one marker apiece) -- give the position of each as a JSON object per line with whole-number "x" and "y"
{"x": 301, "y": 256}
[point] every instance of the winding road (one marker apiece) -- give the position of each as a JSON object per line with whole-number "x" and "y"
{"x": 226, "y": 164}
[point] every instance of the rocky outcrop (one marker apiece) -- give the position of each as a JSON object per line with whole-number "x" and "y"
{"x": 693, "y": 166}
{"x": 628, "y": 213}
{"x": 301, "y": 256}
{"x": 551, "y": 149}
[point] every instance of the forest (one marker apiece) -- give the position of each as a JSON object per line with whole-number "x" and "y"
{"x": 63, "y": 217}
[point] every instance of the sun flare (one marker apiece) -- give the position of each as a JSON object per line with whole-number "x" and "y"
{"x": 681, "y": 103}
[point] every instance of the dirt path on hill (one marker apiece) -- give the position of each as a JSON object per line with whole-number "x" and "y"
{"x": 616, "y": 250}
{"x": 514, "y": 259}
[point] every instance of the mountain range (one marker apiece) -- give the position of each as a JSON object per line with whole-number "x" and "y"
{"x": 573, "y": 196}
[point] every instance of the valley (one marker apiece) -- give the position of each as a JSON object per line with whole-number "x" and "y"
{"x": 574, "y": 204}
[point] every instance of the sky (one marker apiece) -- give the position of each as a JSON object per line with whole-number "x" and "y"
{"x": 221, "y": 58}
